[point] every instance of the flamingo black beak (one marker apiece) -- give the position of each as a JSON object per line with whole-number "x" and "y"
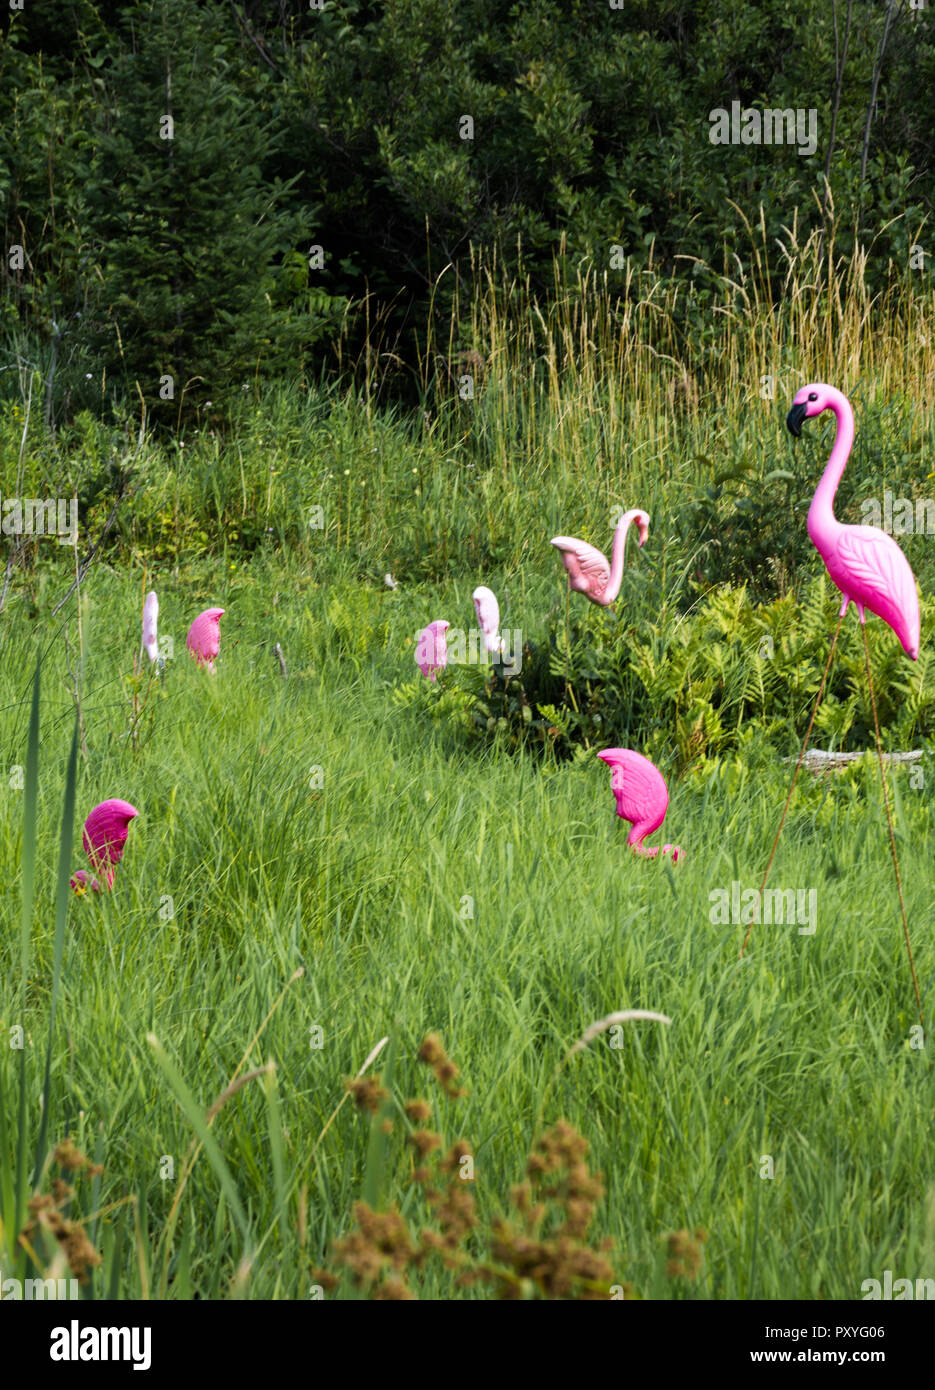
{"x": 795, "y": 417}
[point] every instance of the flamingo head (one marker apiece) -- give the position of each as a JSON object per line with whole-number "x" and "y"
{"x": 105, "y": 834}
{"x": 810, "y": 401}
{"x": 642, "y": 522}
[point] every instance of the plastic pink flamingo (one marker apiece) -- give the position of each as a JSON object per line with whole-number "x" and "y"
{"x": 432, "y": 648}
{"x": 642, "y": 797}
{"x": 104, "y": 838}
{"x": 871, "y": 571}
{"x": 588, "y": 570}
{"x": 488, "y": 617}
{"x": 204, "y": 637}
{"x": 865, "y": 563}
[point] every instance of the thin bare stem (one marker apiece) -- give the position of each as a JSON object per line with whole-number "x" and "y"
{"x": 889, "y": 822}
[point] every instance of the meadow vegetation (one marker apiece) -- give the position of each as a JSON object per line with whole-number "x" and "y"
{"x": 345, "y": 854}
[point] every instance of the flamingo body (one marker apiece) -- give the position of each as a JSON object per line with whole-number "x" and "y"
{"x": 642, "y": 797}
{"x": 864, "y": 562}
{"x": 204, "y": 637}
{"x": 589, "y": 571}
{"x": 432, "y": 649}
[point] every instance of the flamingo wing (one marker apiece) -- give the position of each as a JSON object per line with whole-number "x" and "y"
{"x": 583, "y": 561}
{"x": 872, "y": 570}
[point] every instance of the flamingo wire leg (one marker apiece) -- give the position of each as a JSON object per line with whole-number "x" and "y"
{"x": 889, "y": 822}
{"x": 808, "y": 734}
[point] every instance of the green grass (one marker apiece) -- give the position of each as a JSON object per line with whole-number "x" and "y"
{"x": 362, "y": 883}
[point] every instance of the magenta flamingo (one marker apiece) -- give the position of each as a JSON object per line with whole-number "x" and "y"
{"x": 642, "y": 797}
{"x": 588, "y": 570}
{"x": 865, "y": 563}
{"x": 432, "y": 648}
{"x": 104, "y": 839}
{"x": 204, "y": 637}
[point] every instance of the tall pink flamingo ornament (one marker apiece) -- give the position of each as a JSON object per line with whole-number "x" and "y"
{"x": 865, "y": 563}
{"x": 104, "y": 839}
{"x": 871, "y": 572}
{"x": 589, "y": 572}
{"x": 642, "y": 798}
{"x": 204, "y": 637}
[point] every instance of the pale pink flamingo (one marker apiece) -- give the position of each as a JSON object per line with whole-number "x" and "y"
{"x": 588, "y": 570}
{"x": 865, "y": 563}
{"x": 641, "y": 795}
{"x": 150, "y": 618}
{"x": 432, "y": 648}
{"x": 488, "y": 617}
{"x": 104, "y": 838}
{"x": 204, "y": 637}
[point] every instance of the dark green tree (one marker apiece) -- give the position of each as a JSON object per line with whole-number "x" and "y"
{"x": 196, "y": 258}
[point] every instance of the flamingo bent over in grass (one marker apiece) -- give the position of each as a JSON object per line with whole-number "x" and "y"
{"x": 588, "y": 570}
{"x": 642, "y": 797}
{"x": 204, "y": 637}
{"x": 104, "y": 839}
{"x": 865, "y": 563}
{"x": 432, "y": 648}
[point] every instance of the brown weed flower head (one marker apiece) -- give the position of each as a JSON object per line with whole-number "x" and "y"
{"x": 433, "y": 1055}
{"x": 547, "y": 1251}
{"x": 367, "y": 1092}
{"x": 455, "y": 1212}
{"x": 394, "y": 1289}
{"x": 418, "y": 1111}
{"x": 70, "y": 1235}
{"x": 424, "y": 1141}
{"x": 452, "y": 1161}
{"x": 67, "y": 1156}
{"x": 431, "y": 1050}
{"x": 684, "y": 1252}
{"x": 557, "y": 1268}
{"x": 380, "y": 1243}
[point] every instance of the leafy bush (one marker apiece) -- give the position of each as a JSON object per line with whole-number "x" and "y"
{"x": 702, "y": 684}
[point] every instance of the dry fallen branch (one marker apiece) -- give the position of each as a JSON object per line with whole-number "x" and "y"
{"x": 821, "y": 760}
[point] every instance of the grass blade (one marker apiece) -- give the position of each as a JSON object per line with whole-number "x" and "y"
{"x": 192, "y": 1112}
{"x": 62, "y": 892}
{"x": 30, "y": 802}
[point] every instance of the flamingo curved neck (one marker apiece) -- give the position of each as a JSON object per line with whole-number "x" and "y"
{"x": 821, "y": 518}
{"x": 616, "y": 555}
